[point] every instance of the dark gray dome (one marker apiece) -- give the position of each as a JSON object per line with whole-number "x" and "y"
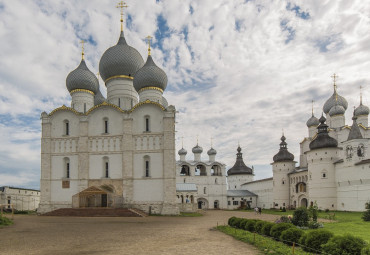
{"x": 182, "y": 151}
{"x": 150, "y": 75}
{"x": 239, "y": 166}
{"x": 99, "y": 98}
{"x": 333, "y": 100}
{"x": 197, "y": 149}
{"x": 120, "y": 59}
{"x": 313, "y": 121}
{"x": 82, "y": 78}
{"x": 362, "y": 110}
{"x": 323, "y": 140}
{"x": 283, "y": 154}
{"x": 211, "y": 152}
{"x": 337, "y": 110}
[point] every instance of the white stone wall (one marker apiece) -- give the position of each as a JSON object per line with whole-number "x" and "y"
{"x": 296, "y": 194}
{"x": 281, "y": 182}
{"x": 152, "y": 95}
{"x": 82, "y": 101}
{"x": 121, "y": 92}
{"x": 235, "y": 181}
{"x": 264, "y": 190}
{"x": 21, "y": 199}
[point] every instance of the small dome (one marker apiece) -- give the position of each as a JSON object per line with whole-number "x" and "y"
{"x": 283, "y": 154}
{"x": 323, "y": 140}
{"x": 150, "y": 75}
{"x": 333, "y": 100}
{"x": 362, "y": 110}
{"x": 337, "y": 110}
{"x": 211, "y": 152}
{"x": 182, "y": 151}
{"x": 82, "y": 78}
{"x": 312, "y": 122}
{"x": 197, "y": 149}
{"x": 99, "y": 98}
{"x": 120, "y": 59}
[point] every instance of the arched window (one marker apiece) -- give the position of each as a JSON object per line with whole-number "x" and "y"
{"x": 216, "y": 181}
{"x": 147, "y": 123}
{"x": 200, "y": 170}
{"x": 67, "y": 166}
{"x": 185, "y": 170}
{"x": 106, "y": 167}
{"x": 361, "y": 150}
{"x": 66, "y": 127}
{"x": 84, "y": 107}
{"x": 147, "y": 166}
{"x": 119, "y": 102}
{"x": 204, "y": 190}
{"x": 283, "y": 181}
{"x": 106, "y": 125}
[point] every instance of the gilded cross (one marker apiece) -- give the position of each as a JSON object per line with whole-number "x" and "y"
{"x": 360, "y": 94}
{"x": 148, "y": 39}
{"x": 312, "y": 107}
{"x": 335, "y": 78}
{"x": 121, "y": 5}
{"x": 98, "y": 74}
{"x": 211, "y": 142}
{"x": 83, "y": 48}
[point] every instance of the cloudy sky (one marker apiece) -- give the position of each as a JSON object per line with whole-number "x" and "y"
{"x": 238, "y": 71}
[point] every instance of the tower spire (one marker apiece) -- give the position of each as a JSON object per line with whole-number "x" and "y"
{"x": 121, "y": 5}
{"x": 148, "y": 39}
{"x": 312, "y": 108}
{"x": 83, "y": 49}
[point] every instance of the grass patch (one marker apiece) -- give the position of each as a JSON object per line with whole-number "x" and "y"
{"x": 4, "y": 221}
{"x": 265, "y": 244}
{"x": 345, "y": 222}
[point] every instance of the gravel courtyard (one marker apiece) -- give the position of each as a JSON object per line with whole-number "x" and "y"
{"x": 110, "y": 235}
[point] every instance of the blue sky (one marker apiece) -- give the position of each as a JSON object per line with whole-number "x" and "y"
{"x": 238, "y": 71}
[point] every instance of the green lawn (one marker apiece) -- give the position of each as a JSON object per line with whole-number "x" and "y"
{"x": 345, "y": 223}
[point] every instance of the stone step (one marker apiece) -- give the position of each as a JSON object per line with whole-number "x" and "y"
{"x": 94, "y": 212}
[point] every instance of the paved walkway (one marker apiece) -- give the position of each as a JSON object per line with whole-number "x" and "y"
{"x": 150, "y": 235}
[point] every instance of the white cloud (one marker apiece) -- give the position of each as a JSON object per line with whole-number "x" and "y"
{"x": 231, "y": 73}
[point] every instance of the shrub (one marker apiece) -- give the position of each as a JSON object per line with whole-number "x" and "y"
{"x": 242, "y": 223}
{"x": 230, "y": 222}
{"x": 5, "y": 221}
{"x": 284, "y": 210}
{"x": 302, "y": 240}
{"x": 276, "y": 230}
{"x": 366, "y": 215}
{"x": 259, "y": 225}
{"x": 300, "y": 217}
{"x": 237, "y": 222}
{"x": 313, "y": 211}
{"x": 365, "y": 251}
{"x": 283, "y": 219}
{"x": 250, "y": 225}
{"x": 314, "y": 239}
{"x": 291, "y": 235}
{"x": 344, "y": 245}
{"x": 267, "y": 228}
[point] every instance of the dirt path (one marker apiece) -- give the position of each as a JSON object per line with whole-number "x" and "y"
{"x": 150, "y": 235}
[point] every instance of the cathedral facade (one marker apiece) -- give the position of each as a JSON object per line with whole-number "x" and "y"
{"x": 334, "y": 164}
{"x": 117, "y": 151}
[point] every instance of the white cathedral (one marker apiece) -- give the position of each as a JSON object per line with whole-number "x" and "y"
{"x": 119, "y": 151}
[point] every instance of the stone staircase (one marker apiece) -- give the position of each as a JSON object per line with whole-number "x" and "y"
{"x": 96, "y": 212}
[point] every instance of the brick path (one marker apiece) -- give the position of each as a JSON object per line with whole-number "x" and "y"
{"x": 102, "y": 235}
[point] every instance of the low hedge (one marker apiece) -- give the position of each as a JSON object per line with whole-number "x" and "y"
{"x": 266, "y": 228}
{"x": 4, "y": 221}
{"x": 250, "y": 225}
{"x": 291, "y": 235}
{"x": 278, "y": 228}
{"x": 313, "y": 240}
{"x": 344, "y": 245}
{"x": 258, "y": 226}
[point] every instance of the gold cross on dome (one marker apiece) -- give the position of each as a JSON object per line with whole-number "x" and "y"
{"x": 312, "y": 107}
{"x": 335, "y": 78}
{"x": 121, "y": 5}
{"x": 98, "y": 74}
{"x": 83, "y": 48}
{"x": 148, "y": 39}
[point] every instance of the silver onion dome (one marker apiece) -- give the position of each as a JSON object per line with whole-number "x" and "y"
{"x": 99, "y": 98}
{"x": 182, "y": 151}
{"x": 150, "y": 75}
{"x": 120, "y": 59}
{"x": 82, "y": 78}
{"x": 211, "y": 152}
{"x": 197, "y": 149}
{"x": 337, "y": 110}
{"x": 362, "y": 110}
{"x": 333, "y": 100}
{"x": 312, "y": 122}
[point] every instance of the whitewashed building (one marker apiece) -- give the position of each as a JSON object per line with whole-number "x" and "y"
{"x": 117, "y": 151}
{"x": 334, "y": 167}
{"x": 20, "y": 198}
